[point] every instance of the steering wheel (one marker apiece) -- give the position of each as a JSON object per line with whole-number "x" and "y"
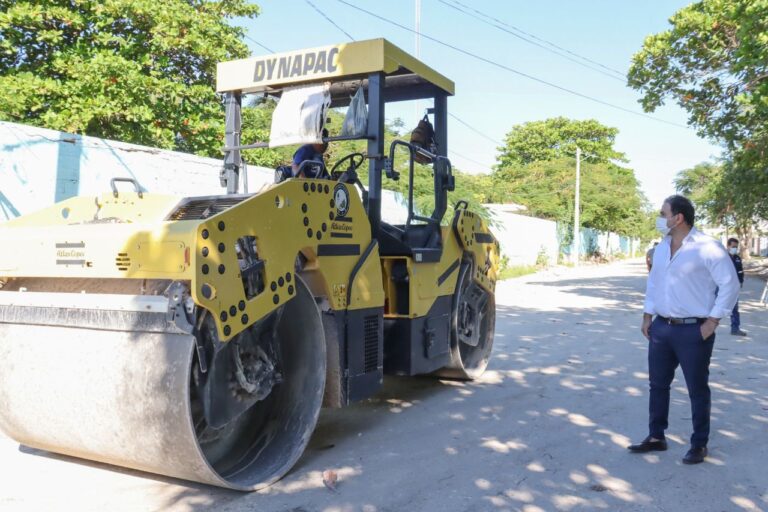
{"x": 312, "y": 169}
{"x": 355, "y": 161}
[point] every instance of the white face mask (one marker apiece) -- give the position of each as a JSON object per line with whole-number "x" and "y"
{"x": 661, "y": 226}
{"x": 733, "y": 250}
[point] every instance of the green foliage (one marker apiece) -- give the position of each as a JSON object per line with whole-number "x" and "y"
{"x": 747, "y": 179}
{"x": 713, "y": 62}
{"x": 610, "y": 196}
{"x": 472, "y": 188}
{"x": 715, "y": 193}
{"x": 517, "y": 271}
{"x": 557, "y": 138}
{"x": 542, "y": 260}
{"x": 536, "y": 168}
{"x": 702, "y": 184}
{"x": 140, "y": 71}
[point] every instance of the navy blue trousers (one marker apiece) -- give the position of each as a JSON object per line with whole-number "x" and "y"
{"x": 735, "y": 318}
{"x": 670, "y": 346}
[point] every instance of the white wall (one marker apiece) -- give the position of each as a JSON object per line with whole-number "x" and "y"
{"x": 39, "y": 167}
{"x": 759, "y": 246}
{"x": 522, "y": 238}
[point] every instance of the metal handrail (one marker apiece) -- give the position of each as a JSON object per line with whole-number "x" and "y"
{"x": 264, "y": 145}
{"x": 113, "y": 183}
{"x": 443, "y": 180}
{"x": 412, "y": 150}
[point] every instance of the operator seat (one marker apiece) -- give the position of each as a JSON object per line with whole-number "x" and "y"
{"x": 422, "y": 242}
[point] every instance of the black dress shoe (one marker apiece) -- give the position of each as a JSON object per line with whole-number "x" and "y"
{"x": 695, "y": 455}
{"x": 647, "y": 445}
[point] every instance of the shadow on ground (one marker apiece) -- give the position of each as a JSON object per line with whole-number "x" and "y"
{"x": 545, "y": 428}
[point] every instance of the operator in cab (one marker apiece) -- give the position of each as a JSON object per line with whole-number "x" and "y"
{"x": 312, "y": 152}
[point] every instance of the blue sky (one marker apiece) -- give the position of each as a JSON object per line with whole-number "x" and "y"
{"x": 493, "y": 100}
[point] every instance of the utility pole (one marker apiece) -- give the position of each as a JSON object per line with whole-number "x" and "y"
{"x": 417, "y": 27}
{"x": 417, "y": 44}
{"x": 576, "y": 235}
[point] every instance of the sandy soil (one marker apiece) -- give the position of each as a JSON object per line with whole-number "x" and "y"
{"x": 544, "y": 429}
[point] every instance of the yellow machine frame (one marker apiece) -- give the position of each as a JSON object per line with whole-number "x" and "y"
{"x": 200, "y": 287}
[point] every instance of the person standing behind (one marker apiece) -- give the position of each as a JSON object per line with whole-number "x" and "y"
{"x": 733, "y": 250}
{"x": 692, "y": 285}
{"x": 649, "y": 256}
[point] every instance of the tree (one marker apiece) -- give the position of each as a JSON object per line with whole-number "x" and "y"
{"x": 140, "y": 71}
{"x": 474, "y": 189}
{"x": 713, "y": 62}
{"x": 746, "y": 175}
{"x": 558, "y": 138}
{"x": 713, "y": 191}
{"x": 702, "y": 184}
{"x": 537, "y": 167}
{"x": 610, "y": 195}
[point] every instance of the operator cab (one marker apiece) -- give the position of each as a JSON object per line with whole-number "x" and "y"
{"x": 385, "y": 74}
{"x": 421, "y": 236}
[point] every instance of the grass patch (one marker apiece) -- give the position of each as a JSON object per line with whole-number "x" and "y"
{"x": 517, "y": 271}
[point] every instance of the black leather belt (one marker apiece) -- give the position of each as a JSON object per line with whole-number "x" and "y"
{"x": 681, "y": 321}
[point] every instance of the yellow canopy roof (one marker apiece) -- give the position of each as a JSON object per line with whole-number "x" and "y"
{"x": 337, "y": 63}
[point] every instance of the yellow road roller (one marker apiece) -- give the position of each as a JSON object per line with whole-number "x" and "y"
{"x": 199, "y": 337}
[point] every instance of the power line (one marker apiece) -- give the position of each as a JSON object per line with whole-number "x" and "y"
{"x": 610, "y": 74}
{"x": 512, "y": 70}
{"x": 451, "y": 114}
{"x": 550, "y": 43}
{"x": 258, "y": 43}
{"x": 475, "y": 129}
{"x": 485, "y": 167}
{"x": 321, "y": 13}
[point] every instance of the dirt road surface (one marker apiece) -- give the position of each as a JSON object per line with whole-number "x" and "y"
{"x": 546, "y": 428}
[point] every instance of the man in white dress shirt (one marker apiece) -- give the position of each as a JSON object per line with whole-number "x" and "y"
{"x": 691, "y": 286}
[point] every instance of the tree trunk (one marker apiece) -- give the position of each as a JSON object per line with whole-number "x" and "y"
{"x": 744, "y": 234}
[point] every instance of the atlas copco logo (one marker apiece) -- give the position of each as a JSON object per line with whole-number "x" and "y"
{"x": 302, "y": 64}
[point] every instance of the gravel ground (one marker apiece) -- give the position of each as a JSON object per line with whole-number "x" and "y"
{"x": 545, "y": 428}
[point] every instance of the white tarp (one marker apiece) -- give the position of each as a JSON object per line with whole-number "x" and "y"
{"x": 356, "y": 121}
{"x": 299, "y": 115}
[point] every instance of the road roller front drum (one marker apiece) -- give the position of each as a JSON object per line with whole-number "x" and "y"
{"x": 133, "y": 398}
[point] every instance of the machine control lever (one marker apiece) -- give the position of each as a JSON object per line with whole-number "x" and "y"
{"x": 390, "y": 170}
